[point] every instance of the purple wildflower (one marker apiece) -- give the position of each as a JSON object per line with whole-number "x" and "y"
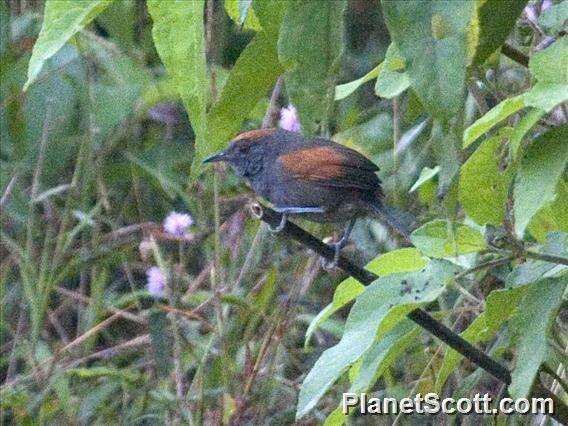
{"x": 156, "y": 281}
{"x": 289, "y": 119}
{"x": 177, "y": 223}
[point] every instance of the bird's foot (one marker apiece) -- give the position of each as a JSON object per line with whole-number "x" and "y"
{"x": 285, "y": 211}
{"x": 337, "y": 246}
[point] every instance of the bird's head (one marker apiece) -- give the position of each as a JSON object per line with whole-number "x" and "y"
{"x": 246, "y": 152}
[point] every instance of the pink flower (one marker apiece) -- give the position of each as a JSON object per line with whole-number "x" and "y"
{"x": 289, "y": 119}
{"x": 177, "y": 223}
{"x": 156, "y": 281}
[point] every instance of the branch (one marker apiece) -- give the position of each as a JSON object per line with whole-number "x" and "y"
{"x": 419, "y": 316}
{"x": 514, "y": 54}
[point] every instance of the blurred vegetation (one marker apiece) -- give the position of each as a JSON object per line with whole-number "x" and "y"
{"x": 108, "y": 107}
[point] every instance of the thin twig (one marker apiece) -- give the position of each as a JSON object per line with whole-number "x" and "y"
{"x": 486, "y": 265}
{"x": 547, "y": 257}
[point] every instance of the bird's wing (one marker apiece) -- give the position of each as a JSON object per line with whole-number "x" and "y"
{"x": 330, "y": 165}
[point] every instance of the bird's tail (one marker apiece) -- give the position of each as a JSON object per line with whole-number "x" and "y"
{"x": 399, "y": 221}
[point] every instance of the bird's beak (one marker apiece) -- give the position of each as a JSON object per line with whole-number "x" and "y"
{"x": 218, "y": 156}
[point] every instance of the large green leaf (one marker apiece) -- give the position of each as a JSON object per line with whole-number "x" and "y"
{"x": 179, "y": 39}
{"x": 539, "y": 173}
{"x": 522, "y": 128}
{"x": 553, "y": 217}
{"x": 250, "y": 80}
{"x": 551, "y": 64}
{"x": 377, "y": 310}
{"x": 432, "y": 37}
{"x": 62, "y": 19}
{"x": 495, "y": 115}
{"x": 495, "y": 20}
{"x": 392, "y": 80}
{"x": 531, "y": 326}
{"x": 309, "y": 47}
{"x": 483, "y": 182}
{"x": 382, "y": 354}
{"x": 375, "y": 362}
{"x": 440, "y": 238}
{"x": 401, "y": 260}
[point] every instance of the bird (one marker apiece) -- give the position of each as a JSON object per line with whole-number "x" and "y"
{"x": 312, "y": 177}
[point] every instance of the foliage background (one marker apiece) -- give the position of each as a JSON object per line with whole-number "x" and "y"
{"x": 107, "y": 108}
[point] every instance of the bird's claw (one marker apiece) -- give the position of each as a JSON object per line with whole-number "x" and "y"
{"x": 325, "y": 264}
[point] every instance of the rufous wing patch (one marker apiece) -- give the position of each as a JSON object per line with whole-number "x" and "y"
{"x": 317, "y": 163}
{"x": 254, "y": 134}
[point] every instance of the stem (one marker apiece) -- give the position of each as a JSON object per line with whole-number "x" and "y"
{"x": 547, "y": 257}
{"x": 485, "y": 265}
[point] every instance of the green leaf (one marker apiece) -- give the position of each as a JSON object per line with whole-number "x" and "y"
{"x": 554, "y": 19}
{"x": 62, "y": 19}
{"x": 119, "y": 21}
{"x": 539, "y": 172}
{"x": 522, "y": 128}
{"x": 241, "y": 12}
{"x": 551, "y": 64}
{"x": 484, "y": 185}
{"x": 402, "y": 260}
{"x": 309, "y": 47}
{"x": 553, "y": 217}
{"x": 344, "y": 90}
{"x": 438, "y": 239}
{"x": 550, "y": 68}
{"x": 546, "y": 95}
{"x": 345, "y": 293}
{"x": 335, "y": 418}
{"x": 495, "y": 115}
{"x": 383, "y": 353}
{"x": 179, "y": 40}
{"x": 425, "y": 175}
{"x": 432, "y": 37}
{"x": 377, "y": 310}
{"x": 251, "y": 78}
{"x": 392, "y": 80}
{"x": 531, "y": 325}
{"x": 495, "y": 20}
